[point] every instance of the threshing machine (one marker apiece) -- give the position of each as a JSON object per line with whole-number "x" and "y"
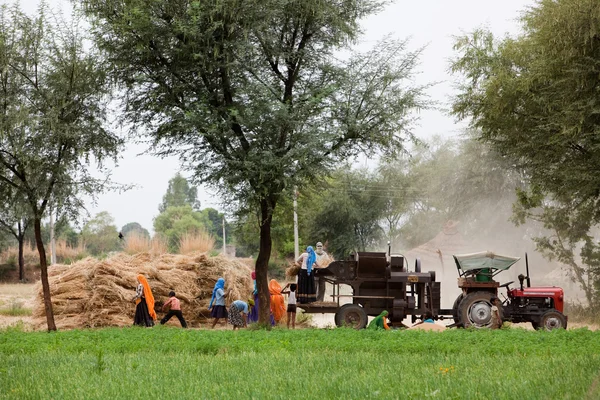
{"x": 379, "y": 281}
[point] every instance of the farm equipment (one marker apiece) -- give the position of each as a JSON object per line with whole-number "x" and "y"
{"x": 383, "y": 282}
{"x": 542, "y": 306}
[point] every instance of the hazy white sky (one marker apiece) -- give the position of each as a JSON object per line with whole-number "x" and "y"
{"x": 430, "y": 23}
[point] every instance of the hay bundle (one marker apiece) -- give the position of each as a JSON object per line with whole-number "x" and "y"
{"x": 292, "y": 270}
{"x": 95, "y": 293}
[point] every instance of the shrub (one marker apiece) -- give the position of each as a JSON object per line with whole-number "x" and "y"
{"x": 15, "y": 309}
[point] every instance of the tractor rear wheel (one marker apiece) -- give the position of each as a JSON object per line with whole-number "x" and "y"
{"x": 552, "y": 319}
{"x": 455, "y": 307}
{"x": 351, "y": 315}
{"x": 475, "y": 310}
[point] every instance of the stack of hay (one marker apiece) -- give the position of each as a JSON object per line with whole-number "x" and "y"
{"x": 95, "y": 293}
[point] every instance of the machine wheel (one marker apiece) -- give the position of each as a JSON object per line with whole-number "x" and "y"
{"x": 351, "y": 315}
{"x": 552, "y": 319}
{"x": 475, "y": 310}
{"x": 432, "y": 275}
{"x": 455, "y": 308}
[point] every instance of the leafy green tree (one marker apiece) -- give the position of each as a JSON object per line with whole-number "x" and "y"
{"x": 348, "y": 213}
{"x": 212, "y": 220}
{"x": 14, "y": 220}
{"x": 175, "y": 222}
{"x": 53, "y": 93}
{"x": 249, "y": 94}
{"x": 179, "y": 193}
{"x": 534, "y": 99}
{"x": 244, "y": 235}
{"x": 100, "y": 234}
{"x": 134, "y": 227}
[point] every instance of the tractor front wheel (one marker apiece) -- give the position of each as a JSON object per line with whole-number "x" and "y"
{"x": 552, "y": 319}
{"x": 351, "y": 315}
{"x": 475, "y": 310}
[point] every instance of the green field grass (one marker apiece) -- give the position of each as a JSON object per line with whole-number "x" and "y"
{"x": 172, "y": 363}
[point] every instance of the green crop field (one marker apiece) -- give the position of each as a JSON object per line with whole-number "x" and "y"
{"x": 172, "y": 363}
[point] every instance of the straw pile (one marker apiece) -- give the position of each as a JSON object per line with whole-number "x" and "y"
{"x": 95, "y": 293}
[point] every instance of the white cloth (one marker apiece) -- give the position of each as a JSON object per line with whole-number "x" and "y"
{"x": 292, "y": 298}
{"x": 303, "y": 259}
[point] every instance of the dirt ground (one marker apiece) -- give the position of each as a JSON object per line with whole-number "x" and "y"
{"x": 23, "y": 295}
{"x": 16, "y": 295}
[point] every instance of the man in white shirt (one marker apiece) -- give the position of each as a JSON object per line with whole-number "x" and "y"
{"x": 323, "y": 260}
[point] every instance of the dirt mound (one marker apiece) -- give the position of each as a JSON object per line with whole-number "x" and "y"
{"x": 96, "y": 293}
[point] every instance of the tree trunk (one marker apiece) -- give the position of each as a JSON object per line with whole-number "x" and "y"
{"x": 20, "y": 239}
{"x": 44, "y": 273}
{"x": 262, "y": 263}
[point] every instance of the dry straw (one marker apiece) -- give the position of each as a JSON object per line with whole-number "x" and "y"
{"x": 196, "y": 242}
{"x": 136, "y": 243}
{"x": 96, "y": 293}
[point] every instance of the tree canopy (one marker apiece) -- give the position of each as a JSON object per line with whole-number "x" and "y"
{"x": 179, "y": 193}
{"x": 534, "y": 98}
{"x": 53, "y": 93}
{"x": 250, "y": 94}
{"x": 136, "y": 228}
{"x": 100, "y": 234}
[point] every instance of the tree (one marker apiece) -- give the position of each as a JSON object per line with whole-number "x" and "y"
{"x": 534, "y": 99}
{"x": 134, "y": 227}
{"x": 213, "y": 224}
{"x": 100, "y": 234}
{"x": 52, "y": 112}
{"x": 349, "y": 213}
{"x": 249, "y": 94}
{"x": 175, "y": 222}
{"x": 180, "y": 193}
{"x": 14, "y": 220}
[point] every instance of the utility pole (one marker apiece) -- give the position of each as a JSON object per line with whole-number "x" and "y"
{"x": 296, "y": 241}
{"x": 224, "y": 241}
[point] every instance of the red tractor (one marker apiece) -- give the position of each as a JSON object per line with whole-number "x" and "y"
{"x": 542, "y": 306}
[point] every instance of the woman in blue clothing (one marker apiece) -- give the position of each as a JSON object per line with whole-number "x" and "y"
{"x": 218, "y": 310}
{"x": 238, "y": 313}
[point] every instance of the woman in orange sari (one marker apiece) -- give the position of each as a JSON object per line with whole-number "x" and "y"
{"x": 277, "y": 302}
{"x": 144, "y": 300}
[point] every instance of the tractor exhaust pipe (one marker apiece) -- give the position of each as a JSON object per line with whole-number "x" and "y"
{"x": 527, "y": 270}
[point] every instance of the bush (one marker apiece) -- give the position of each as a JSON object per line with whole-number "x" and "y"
{"x": 578, "y": 312}
{"x": 277, "y": 269}
{"x": 15, "y": 309}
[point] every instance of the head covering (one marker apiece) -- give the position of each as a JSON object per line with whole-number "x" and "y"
{"x": 274, "y": 287}
{"x": 219, "y": 285}
{"x": 312, "y": 257}
{"x": 277, "y": 301}
{"x": 379, "y": 321}
{"x": 147, "y": 295}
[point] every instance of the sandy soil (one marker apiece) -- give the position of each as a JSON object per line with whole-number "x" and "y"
{"x": 20, "y": 295}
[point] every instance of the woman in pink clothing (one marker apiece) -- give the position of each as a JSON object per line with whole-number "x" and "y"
{"x": 174, "y": 309}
